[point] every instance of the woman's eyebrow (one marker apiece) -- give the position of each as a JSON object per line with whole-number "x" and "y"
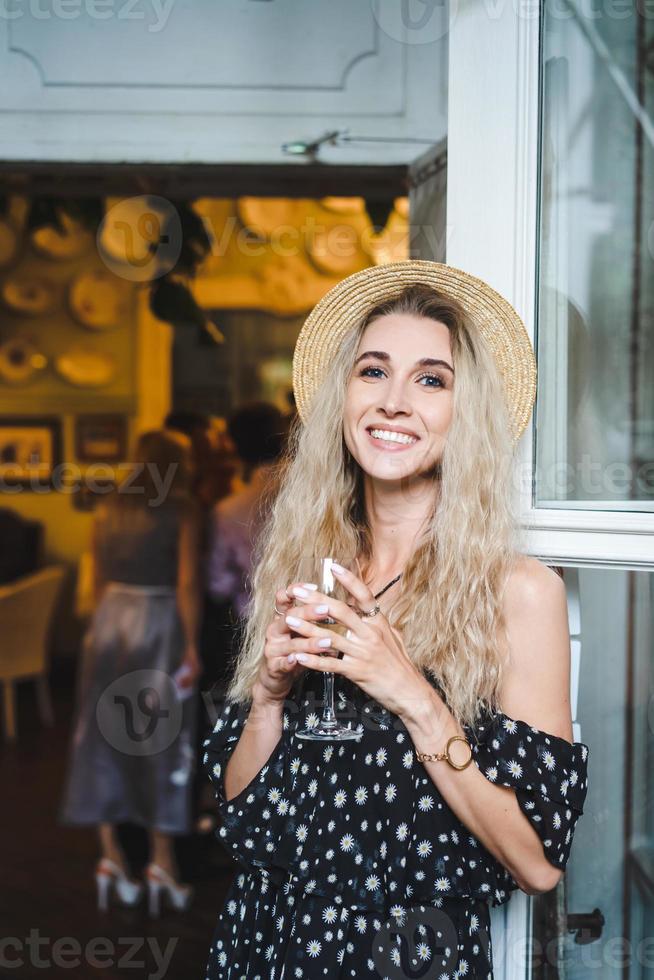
{"x": 382, "y": 355}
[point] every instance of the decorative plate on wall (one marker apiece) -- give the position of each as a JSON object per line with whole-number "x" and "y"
{"x": 8, "y": 243}
{"x": 20, "y": 361}
{"x": 287, "y": 286}
{"x": 268, "y": 217}
{"x": 337, "y": 251}
{"x": 29, "y": 297}
{"x": 97, "y": 301}
{"x": 85, "y": 367}
{"x": 69, "y": 244}
{"x": 130, "y": 235}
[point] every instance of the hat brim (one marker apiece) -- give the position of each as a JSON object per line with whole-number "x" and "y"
{"x": 343, "y": 308}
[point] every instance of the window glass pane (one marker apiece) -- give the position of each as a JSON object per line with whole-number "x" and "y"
{"x": 610, "y": 874}
{"x": 595, "y": 412}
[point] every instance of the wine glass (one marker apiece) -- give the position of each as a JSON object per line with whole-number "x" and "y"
{"x": 319, "y": 570}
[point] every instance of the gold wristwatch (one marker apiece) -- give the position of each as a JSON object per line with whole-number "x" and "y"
{"x": 437, "y": 756}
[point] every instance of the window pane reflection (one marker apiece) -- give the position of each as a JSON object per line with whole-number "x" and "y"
{"x": 610, "y": 874}
{"x": 595, "y": 412}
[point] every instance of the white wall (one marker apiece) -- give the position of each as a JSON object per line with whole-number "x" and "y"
{"x": 217, "y": 80}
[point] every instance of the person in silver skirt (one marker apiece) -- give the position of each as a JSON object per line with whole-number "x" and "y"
{"x": 132, "y": 751}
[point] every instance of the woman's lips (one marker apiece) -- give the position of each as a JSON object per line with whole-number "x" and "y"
{"x": 389, "y": 446}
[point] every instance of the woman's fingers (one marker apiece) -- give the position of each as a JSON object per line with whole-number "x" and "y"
{"x": 355, "y": 587}
{"x": 279, "y": 662}
{"x": 313, "y": 637}
{"x": 299, "y": 644}
{"x": 320, "y": 606}
{"x": 328, "y": 665}
{"x": 284, "y": 600}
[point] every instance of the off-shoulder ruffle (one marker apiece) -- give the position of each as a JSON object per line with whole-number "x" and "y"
{"x": 265, "y": 794}
{"x": 548, "y": 773}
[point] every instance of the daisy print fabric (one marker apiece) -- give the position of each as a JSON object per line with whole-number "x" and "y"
{"x": 548, "y": 773}
{"x": 350, "y": 863}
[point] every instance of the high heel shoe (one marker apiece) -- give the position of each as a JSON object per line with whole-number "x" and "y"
{"x": 108, "y": 874}
{"x": 160, "y": 884}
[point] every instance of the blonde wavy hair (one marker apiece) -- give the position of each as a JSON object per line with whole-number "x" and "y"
{"x": 448, "y": 609}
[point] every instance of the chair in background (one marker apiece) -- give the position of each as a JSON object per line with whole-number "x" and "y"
{"x": 26, "y": 611}
{"x": 21, "y": 545}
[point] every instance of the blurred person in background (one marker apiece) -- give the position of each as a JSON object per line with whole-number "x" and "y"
{"x": 258, "y": 431}
{"x": 214, "y": 465}
{"x": 132, "y": 750}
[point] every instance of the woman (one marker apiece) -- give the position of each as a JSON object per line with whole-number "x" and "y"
{"x": 132, "y": 748}
{"x": 380, "y": 855}
{"x": 258, "y": 432}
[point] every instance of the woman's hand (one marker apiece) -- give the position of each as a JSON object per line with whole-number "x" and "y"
{"x": 373, "y": 654}
{"x": 278, "y": 670}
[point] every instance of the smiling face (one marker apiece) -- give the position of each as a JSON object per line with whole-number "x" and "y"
{"x": 398, "y": 405}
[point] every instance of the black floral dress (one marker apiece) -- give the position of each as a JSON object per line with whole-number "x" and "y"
{"x": 351, "y": 862}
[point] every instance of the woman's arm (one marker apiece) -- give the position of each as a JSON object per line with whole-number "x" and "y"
{"x": 255, "y": 746}
{"x": 536, "y": 690}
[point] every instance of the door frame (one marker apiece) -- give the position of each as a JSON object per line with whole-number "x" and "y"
{"x": 185, "y": 181}
{"x": 492, "y": 231}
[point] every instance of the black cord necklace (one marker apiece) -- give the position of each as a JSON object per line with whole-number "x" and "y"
{"x": 387, "y": 587}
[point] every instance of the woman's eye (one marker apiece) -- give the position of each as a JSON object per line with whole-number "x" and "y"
{"x": 433, "y": 379}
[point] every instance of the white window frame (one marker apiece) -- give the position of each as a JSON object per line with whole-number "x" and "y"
{"x": 492, "y": 204}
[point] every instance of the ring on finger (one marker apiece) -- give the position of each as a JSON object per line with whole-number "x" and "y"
{"x": 371, "y": 612}
{"x": 278, "y": 611}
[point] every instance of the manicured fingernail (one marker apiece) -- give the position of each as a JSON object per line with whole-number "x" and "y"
{"x": 301, "y": 657}
{"x": 302, "y": 593}
{"x": 291, "y": 658}
{"x": 322, "y": 609}
{"x": 338, "y": 568}
{"x": 310, "y": 585}
{"x": 326, "y": 642}
{"x": 292, "y": 621}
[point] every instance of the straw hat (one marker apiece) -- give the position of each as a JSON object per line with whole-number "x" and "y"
{"x": 343, "y": 307}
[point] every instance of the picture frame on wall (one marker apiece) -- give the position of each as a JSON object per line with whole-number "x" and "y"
{"x": 30, "y": 450}
{"x": 101, "y": 438}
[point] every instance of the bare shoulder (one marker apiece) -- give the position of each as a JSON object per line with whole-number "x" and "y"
{"x": 532, "y": 582}
{"x": 536, "y": 685}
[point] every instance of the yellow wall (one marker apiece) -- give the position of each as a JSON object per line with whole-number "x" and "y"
{"x": 140, "y": 391}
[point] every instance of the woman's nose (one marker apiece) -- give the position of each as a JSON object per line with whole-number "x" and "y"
{"x": 394, "y": 398}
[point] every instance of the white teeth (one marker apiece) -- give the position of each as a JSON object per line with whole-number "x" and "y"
{"x": 389, "y": 436}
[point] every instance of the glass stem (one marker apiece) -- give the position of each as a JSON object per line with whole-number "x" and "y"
{"x": 328, "y": 713}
